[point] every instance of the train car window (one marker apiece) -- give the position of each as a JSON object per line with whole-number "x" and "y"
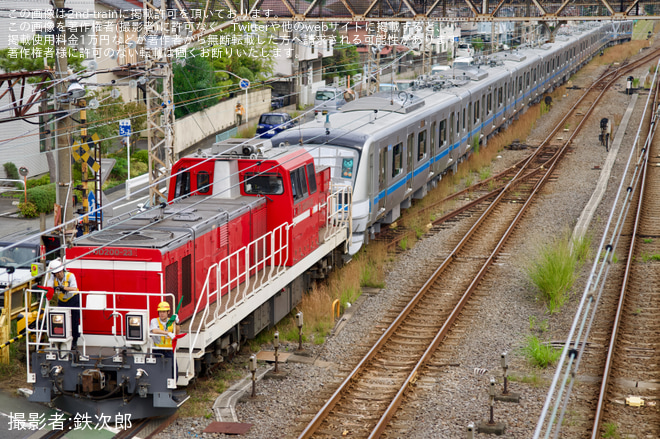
{"x": 263, "y": 184}
{"x": 432, "y": 139}
{"x": 499, "y": 97}
{"x": 203, "y": 180}
{"x": 520, "y": 84}
{"x": 311, "y": 177}
{"x": 347, "y": 168}
{"x": 476, "y": 111}
{"x": 534, "y": 77}
{"x": 397, "y": 159}
{"x": 463, "y": 119}
{"x": 458, "y": 123}
{"x": 443, "y": 132}
{"x": 298, "y": 183}
{"x": 489, "y": 103}
{"x": 182, "y": 186}
{"x": 421, "y": 145}
{"x": 527, "y": 79}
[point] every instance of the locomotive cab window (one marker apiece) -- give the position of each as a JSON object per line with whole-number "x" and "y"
{"x": 311, "y": 176}
{"x": 263, "y": 184}
{"x": 203, "y": 180}
{"x": 182, "y": 186}
{"x": 298, "y": 183}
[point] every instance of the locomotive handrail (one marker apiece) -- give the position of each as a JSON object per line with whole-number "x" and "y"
{"x": 277, "y": 258}
{"x": 116, "y": 312}
{"x": 254, "y": 258}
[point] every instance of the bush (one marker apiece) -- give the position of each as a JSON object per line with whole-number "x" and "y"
{"x": 42, "y": 181}
{"x": 141, "y": 155}
{"x": 119, "y": 171}
{"x": 138, "y": 168}
{"x": 28, "y": 210}
{"x": 43, "y": 197}
{"x": 540, "y": 354}
{"x": 11, "y": 170}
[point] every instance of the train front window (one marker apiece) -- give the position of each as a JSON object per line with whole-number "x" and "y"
{"x": 343, "y": 162}
{"x": 182, "y": 187}
{"x": 203, "y": 180}
{"x": 263, "y": 184}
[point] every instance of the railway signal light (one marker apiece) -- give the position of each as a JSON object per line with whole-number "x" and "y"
{"x": 252, "y": 364}
{"x": 276, "y": 344}
{"x": 299, "y": 323}
{"x": 136, "y": 328}
{"x": 492, "y": 392}
{"x": 505, "y": 366}
{"x": 470, "y": 430}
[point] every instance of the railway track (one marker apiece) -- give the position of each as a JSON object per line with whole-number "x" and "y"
{"x": 617, "y": 367}
{"x": 366, "y": 400}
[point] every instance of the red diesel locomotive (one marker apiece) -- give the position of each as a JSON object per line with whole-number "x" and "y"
{"x": 245, "y": 228}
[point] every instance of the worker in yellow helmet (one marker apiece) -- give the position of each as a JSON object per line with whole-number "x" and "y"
{"x": 163, "y": 342}
{"x": 66, "y": 287}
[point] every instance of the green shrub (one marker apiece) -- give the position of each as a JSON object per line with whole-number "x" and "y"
{"x": 138, "y": 168}
{"x": 28, "y": 210}
{"x": 42, "y": 181}
{"x": 11, "y": 170}
{"x": 141, "y": 155}
{"x": 119, "y": 171}
{"x": 553, "y": 273}
{"x": 43, "y": 197}
{"x": 540, "y": 354}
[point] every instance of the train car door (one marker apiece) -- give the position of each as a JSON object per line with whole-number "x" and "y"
{"x": 410, "y": 144}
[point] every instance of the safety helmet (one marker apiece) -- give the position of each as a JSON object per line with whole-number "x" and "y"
{"x": 163, "y": 306}
{"x": 55, "y": 266}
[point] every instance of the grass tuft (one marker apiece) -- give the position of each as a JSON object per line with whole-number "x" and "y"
{"x": 540, "y": 354}
{"x": 611, "y": 431}
{"x": 554, "y": 271}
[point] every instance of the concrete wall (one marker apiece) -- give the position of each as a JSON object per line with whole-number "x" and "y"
{"x": 194, "y": 128}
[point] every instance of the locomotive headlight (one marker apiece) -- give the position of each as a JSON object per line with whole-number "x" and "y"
{"x": 59, "y": 324}
{"x": 136, "y": 329}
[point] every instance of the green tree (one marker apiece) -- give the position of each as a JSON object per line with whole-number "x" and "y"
{"x": 246, "y": 54}
{"x": 192, "y": 81}
{"x": 344, "y": 61}
{"x": 478, "y": 44}
{"x": 38, "y": 49}
{"x": 104, "y": 121}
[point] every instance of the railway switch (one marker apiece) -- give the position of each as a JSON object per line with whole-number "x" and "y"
{"x": 490, "y": 426}
{"x": 506, "y": 396}
{"x": 492, "y": 392}
{"x": 629, "y": 85}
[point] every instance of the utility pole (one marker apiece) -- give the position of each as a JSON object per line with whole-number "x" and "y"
{"x": 160, "y": 104}
{"x": 62, "y": 128}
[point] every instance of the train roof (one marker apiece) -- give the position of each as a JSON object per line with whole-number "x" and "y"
{"x": 382, "y": 112}
{"x": 169, "y": 226}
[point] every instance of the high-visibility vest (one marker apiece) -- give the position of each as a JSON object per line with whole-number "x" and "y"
{"x": 61, "y": 296}
{"x": 165, "y": 341}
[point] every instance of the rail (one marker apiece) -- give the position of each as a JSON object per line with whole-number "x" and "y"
{"x": 579, "y": 330}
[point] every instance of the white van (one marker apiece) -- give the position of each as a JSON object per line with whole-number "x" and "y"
{"x": 329, "y": 99}
{"x": 464, "y": 50}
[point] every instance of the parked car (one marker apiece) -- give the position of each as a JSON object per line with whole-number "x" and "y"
{"x": 329, "y": 99}
{"x": 276, "y": 102}
{"x": 273, "y": 123}
{"x": 16, "y": 263}
{"x": 404, "y": 84}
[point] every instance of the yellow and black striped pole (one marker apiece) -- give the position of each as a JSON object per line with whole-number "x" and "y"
{"x": 7, "y": 343}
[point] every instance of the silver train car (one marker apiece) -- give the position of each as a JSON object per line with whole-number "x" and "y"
{"x": 392, "y": 148}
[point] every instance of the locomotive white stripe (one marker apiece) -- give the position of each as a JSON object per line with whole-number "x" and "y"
{"x": 115, "y": 265}
{"x": 308, "y": 212}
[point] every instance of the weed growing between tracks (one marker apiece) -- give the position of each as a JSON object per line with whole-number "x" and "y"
{"x": 555, "y": 269}
{"x": 540, "y": 354}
